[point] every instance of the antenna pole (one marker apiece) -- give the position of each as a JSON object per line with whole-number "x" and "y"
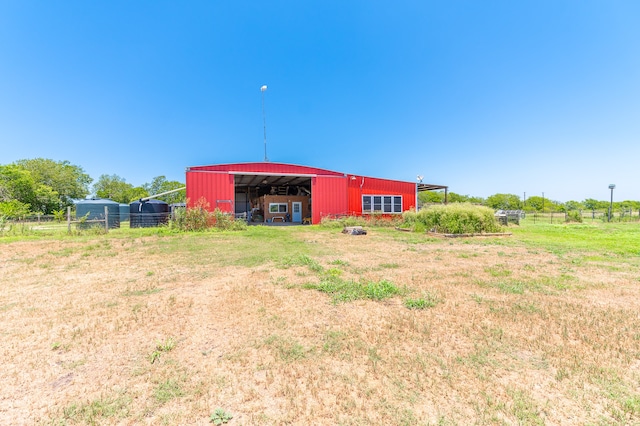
{"x": 264, "y": 122}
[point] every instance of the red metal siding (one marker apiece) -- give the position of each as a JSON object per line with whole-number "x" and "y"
{"x": 215, "y": 187}
{"x": 267, "y": 167}
{"x": 363, "y": 185}
{"x": 328, "y": 197}
{"x": 333, "y": 193}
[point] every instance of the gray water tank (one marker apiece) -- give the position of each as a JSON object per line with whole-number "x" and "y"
{"x": 124, "y": 212}
{"x": 94, "y": 210}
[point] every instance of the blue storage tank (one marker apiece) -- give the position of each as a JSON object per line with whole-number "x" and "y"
{"x": 124, "y": 212}
{"x": 94, "y": 210}
{"x": 148, "y": 213}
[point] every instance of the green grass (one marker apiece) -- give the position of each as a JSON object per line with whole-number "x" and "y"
{"x": 524, "y": 409}
{"x": 349, "y": 290}
{"x": 288, "y": 350}
{"x": 299, "y": 260}
{"x": 258, "y": 245}
{"x": 95, "y": 411}
{"x": 622, "y": 239}
{"x": 428, "y": 300}
{"x": 143, "y": 292}
{"x": 498, "y": 271}
{"x": 168, "y": 390}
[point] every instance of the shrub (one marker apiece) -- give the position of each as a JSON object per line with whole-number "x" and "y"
{"x": 199, "y": 218}
{"x": 574, "y": 216}
{"x": 459, "y": 218}
{"x": 13, "y": 209}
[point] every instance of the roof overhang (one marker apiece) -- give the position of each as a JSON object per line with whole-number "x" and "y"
{"x": 431, "y": 187}
{"x": 270, "y": 179}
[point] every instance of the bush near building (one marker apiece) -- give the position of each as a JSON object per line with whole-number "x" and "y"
{"x": 459, "y": 218}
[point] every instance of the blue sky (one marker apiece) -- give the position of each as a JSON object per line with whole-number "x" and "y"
{"x": 483, "y": 96}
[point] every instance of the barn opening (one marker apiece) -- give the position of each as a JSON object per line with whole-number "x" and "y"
{"x": 272, "y": 198}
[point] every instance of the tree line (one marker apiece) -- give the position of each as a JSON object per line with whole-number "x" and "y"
{"x": 45, "y": 186}
{"x": 533, "y": 203}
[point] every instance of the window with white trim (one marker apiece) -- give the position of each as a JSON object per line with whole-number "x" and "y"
{"x": 278, "y": 207}
{"x": 391, "y": 204}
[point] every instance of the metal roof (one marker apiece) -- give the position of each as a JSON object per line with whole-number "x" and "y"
{"x": 431, "y": 187}
{"x": 256, "y": 173}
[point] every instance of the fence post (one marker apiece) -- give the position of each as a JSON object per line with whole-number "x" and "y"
{"x": 69, "y": 219}
{"x": 106, "y": 219}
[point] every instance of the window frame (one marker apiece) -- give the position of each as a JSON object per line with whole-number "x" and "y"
{"x": 386, "y": 203}
{"x": 286, "y": 208}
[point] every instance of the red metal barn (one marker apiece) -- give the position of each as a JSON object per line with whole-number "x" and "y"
{"x": 287, "y": 192}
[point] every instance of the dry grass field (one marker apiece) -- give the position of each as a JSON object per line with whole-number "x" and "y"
{"x": 305, "y": 325}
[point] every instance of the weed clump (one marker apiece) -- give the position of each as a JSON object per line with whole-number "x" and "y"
{"x": 200, "y": 218}
{"x": 374, "y": 219}
{"x": 459, "y": 218}
{"x": 220, "y": 416}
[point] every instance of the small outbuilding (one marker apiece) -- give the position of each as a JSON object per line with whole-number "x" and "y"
{"x": 278, "y": 192}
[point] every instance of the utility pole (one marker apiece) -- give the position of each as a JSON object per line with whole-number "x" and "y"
{"x": 611, "y": 187}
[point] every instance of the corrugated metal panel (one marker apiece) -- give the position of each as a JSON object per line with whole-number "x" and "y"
{"x": 363, "y": 185}
{"x": 215, "y": 187}
{"x": 333, "y": 193}
{"x": 328, "y": 197}
{"x": 267, "y": 167}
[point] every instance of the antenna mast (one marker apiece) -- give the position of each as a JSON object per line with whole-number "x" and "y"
{"x": 264, "y": 122}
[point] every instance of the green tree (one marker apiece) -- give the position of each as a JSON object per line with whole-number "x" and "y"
{"x": 627, "y": 206}
{"x": 573, "y": 205}
{"x": 138, "y": 192}
{"x": 503, "y": 202}
{"x": 430, "y": 197}
{"x": 13, "y": 209}
{"x": 457, "y": 198}
{"x": 592, "y": 204}
{"x": 117, "y": 189}
{"x": 68, "y": 181}
{"x": 160, "y": 184}
{"x": 18, "y": 184}
{"x": 633, "y": 206}
{"x": 543, "y": 204}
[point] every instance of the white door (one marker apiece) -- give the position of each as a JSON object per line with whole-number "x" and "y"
{"x": 296, "y": 215}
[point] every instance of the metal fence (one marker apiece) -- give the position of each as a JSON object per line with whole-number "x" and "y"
{"x": 40, "y": 223}
{"x": 586, "y": 215}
